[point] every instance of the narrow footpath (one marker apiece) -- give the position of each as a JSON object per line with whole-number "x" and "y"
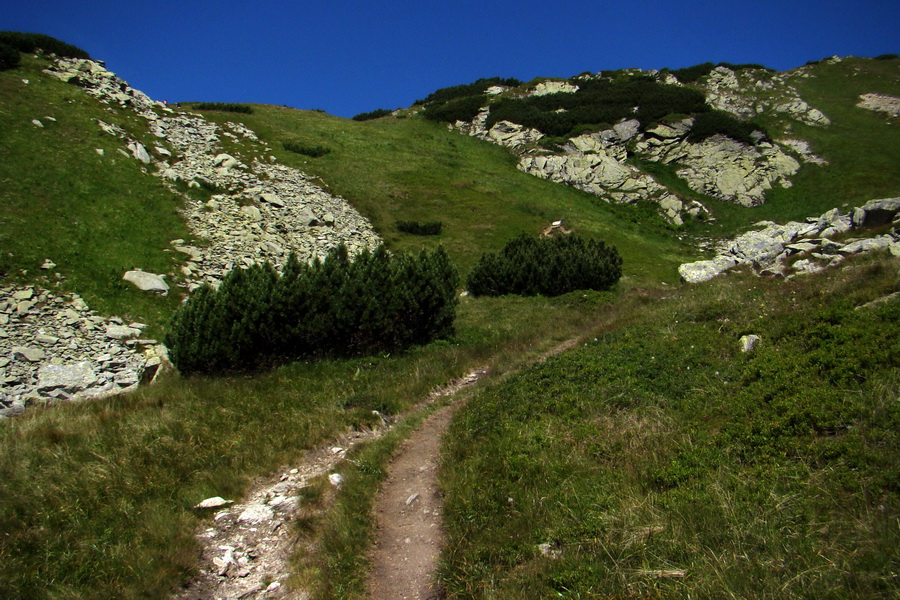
{"x": 408, "y": 513}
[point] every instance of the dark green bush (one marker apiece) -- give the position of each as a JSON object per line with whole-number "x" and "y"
{"x": 312, "y": 151}
{"x": 547, "y": 266}
{"x": 9, "y": 57}
{"x": 340, "y": 307}
{"x": 462, "y": 109}
{"x": 598, "y": 102}
{"x": 32, "y": 42}
{"x": 416, "y": 228}
{"x": 224, "y": 106}
{"x": 692, "y": 74}
{"x": 375, "y": 114}
{"x": 890, "y": 56}
{"x": 718, "y": 122}
{"x": 469, "y": 89}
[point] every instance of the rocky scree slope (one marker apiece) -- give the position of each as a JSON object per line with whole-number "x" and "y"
{"x": 717, "y": 167}
{"x": 54, "y": 348}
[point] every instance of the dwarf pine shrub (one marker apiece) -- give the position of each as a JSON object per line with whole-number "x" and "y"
{"x": 224, "y": 107}
{"x": 311, "y": 151}
{"x": 9, "y": 57}
{"x": 33, "y": 42}
{"x": 719, "y": 122}
{"x": 416, "y": 228}
{"x": 547, "y": 266}
{"x": 375, "y": 114}
{"x": 337, "y": 307}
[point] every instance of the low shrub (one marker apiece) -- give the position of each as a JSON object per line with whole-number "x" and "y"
{"x": 416, "y": 228}
{"x": 719, "y": 122}
{"x": 34, "y": 42}
{"x": 694, "y": 73}
{"x": 312, "y": 151}
{"x": 598, "y": 102}
{"x": 890, "y": 56}
{"x": 375, "y": 114}
{"x": 9, "y": 57}
{"x": 462, "y": 109}
{"x": 547, "y": 266}
{"x": 256, "y": 318}
{"x": 224, "y": 106}
{"x": 469, "y": 89}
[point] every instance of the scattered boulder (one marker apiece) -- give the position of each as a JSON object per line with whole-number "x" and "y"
{"x": 768, "y": 248}
{"x": 68, "y": 378}
{"x": 148, "y": 282}
{"x": 749, "y": 342}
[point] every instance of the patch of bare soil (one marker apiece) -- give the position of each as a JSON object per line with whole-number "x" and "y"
{"x": 408, "y": 513}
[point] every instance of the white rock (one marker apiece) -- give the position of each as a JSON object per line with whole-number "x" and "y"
{"x": 749, "y": 342}
{"x": 148, "y": 282}
{"x": 256, "y": 513}
{"x": 214, "y": 502}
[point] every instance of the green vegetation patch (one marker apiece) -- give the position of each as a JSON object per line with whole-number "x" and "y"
{"x": 224, "y": 107}
{"x": 34, "y": 42}
{"x": 469, "y": 89}
{"x": 375, "y": 302}
{"x": 550, "y": 266}
{"x": 95, "y": 215}
{"x": 375, "y": 114}
{"x": 417, "y": 228}
{"x": 599, "y": 101}
{"x": 658, "y": 461}
{"x": 311, "y": 151}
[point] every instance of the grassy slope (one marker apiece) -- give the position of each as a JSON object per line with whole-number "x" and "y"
{"x": 411, "y": 169}
{"x": 861, "y": 146}
{"x": 94, "y": 216}
{"x": 94, "y": 498}
{"x": 660, "y": 462}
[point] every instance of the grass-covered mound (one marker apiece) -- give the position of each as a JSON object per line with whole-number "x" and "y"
{"x": 660, "y": 461}
{"x": 95, "y": 215}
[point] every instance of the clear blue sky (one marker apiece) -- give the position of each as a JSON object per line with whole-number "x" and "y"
{"x": 347, "y": 57}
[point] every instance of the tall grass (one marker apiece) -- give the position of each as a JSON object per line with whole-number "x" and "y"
{"x": 95, "y": 497}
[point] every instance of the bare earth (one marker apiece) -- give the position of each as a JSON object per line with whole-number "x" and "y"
{"x": 408, "y": 512}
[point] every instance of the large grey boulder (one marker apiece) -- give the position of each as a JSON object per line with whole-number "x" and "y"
{"x": 68, "y": 378}
{"x": 704, "y": 270}
{"x": 148, "y": 282}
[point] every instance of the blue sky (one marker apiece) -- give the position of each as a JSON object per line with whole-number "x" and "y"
{"x": 347, "y": 57}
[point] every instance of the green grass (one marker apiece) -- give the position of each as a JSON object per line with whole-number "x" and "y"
{"x": 661, "y": 462}
{"x": 861, "y": 147}
{"x": 414, "y": 170}
{"x": 647, "y": 457}
{"x": 94, "y": 216}
{"x": 95, "y": 497}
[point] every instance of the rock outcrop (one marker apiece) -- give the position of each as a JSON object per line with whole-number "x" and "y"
{"x": 889, "y": 105}
{"x": 717, "y": 167}
{"x": 796, "y": 248}
{"x": 751, "y": 92}
{"x": 55, "y": 348}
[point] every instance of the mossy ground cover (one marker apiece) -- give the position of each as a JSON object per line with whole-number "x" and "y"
{"x": 658, "y": 461}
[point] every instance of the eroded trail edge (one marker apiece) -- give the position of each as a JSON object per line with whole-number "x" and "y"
{"x": 246, "y": 550}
